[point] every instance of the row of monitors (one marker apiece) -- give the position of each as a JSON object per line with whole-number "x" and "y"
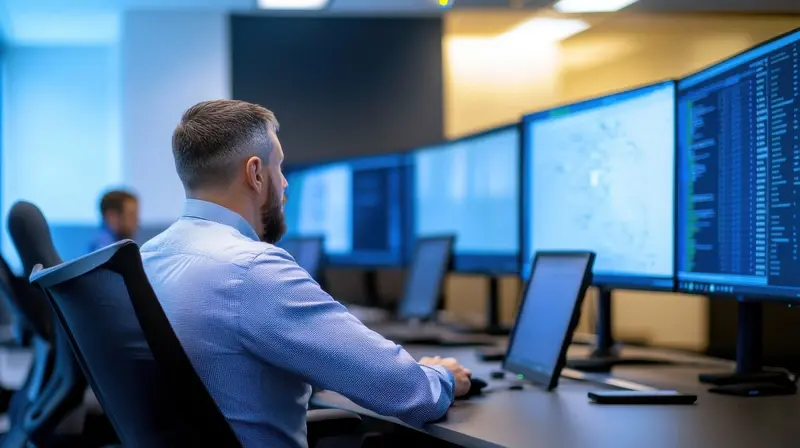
{"x": 689, "y": 185}
{"x": 371, "y": 210}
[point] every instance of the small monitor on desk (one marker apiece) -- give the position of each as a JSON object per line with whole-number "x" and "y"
{"x": 599, "y": 175}
{"x": 424, "y": 282}
{"x": 356, "y": 204}
{"x": 469, "y": 187}
{"x": 548, "y": 315}
{"x": 738, "y": 174}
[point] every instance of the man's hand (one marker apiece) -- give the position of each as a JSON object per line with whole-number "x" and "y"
{"x": 461, "y": 374}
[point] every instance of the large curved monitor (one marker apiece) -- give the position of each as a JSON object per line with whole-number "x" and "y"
{"x": 739, "y": 174}
{"x": 470, "y": 188}
{"x": 599, "y": 176}
{"x": 355, "y": 204}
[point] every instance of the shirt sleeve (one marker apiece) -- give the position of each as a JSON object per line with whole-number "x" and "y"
{"x": 290, "y": 322}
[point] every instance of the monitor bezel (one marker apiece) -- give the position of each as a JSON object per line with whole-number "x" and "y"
{"x": 410, "y": 207}
{"x": 348, "y": 261}
{"x": 737, "y": 292}
{"x": 448, "y": 267}
{"x": 633, "y": 283}
{"x": 550, "y": 382}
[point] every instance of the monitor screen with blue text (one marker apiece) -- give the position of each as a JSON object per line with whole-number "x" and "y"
{"x": 470, "y": 188}
{"x": 355, "y": 204}
{"x": 739, "y": 174}
{"x": 600, "y": 176}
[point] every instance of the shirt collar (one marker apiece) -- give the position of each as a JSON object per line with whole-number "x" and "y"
{"x": 209, "y": 211}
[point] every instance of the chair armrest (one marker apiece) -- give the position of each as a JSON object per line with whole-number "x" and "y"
{"x": 324, "y": 423}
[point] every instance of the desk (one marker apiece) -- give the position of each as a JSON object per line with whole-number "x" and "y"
{"x": 534, "y": 418}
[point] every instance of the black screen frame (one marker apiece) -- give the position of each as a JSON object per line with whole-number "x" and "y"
{"x": 550, "y": 382}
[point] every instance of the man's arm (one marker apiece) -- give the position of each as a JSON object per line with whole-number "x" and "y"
{"x": 290, "y": 322}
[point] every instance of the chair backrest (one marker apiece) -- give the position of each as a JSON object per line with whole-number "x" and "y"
{"x": 135, "y": 364}
{"x": 63, "y": 385}
{"x": 29, "y": 302}
{"x": 31, "y": 236}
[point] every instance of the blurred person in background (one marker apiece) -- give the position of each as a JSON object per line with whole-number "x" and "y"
{"x": 120, "y": 212}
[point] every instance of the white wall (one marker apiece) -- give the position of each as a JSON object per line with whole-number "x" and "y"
{"x": 80, "y": 117}
{"x": 60, "y": 131}
{"x": 170, "y": 61}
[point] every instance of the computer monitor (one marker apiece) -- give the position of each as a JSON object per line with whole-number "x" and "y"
{"x": 599, "y": 175}
{"x": 470, "y": 188}
{"x": 738, "y": 174}
{"x": 549, "y": 313}
{"x": 423, "y": 287}
{"x": 307, "y": 252}
{"x": 355, "y": 204}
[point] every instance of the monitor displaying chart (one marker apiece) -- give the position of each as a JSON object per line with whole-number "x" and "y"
{"x": 356, "y": 205}
{"x": 470, "y": 188}
{"x": 738, "y": 174}
{"x": 599, "y": 176}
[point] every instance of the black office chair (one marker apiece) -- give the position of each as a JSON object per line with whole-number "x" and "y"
{"x": 62, "y": 385}
{"x": 30, "y": 306}
{"x": 136, "y": 366}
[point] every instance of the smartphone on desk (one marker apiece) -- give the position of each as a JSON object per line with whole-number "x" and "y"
{"x": 641, "y": 397}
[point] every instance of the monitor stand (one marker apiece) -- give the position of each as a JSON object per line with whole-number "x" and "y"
{"x": 371, "y": 288}
{"x": 493, "y": 326}
{"x": 750, "y": 379}
{"x": 606, "y": 353}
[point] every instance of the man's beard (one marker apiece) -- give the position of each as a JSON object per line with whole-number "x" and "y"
{"x": 272, "y": 218}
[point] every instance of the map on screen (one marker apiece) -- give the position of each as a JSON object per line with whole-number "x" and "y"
{"x": 602, "y": 179}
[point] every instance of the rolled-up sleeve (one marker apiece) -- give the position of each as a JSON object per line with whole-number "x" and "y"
{"x": 288, "y": 321}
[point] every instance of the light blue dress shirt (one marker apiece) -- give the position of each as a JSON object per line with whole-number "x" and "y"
{"x": 104, "y": 237}
{"x": 259, "y": 331}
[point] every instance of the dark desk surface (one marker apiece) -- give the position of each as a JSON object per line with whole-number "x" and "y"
{"x": 564, "y": 418}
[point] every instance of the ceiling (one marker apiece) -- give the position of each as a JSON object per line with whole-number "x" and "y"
{"x": 48, "y": 21}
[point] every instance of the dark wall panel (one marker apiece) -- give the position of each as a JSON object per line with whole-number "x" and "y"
{"x": 342, "y": 86}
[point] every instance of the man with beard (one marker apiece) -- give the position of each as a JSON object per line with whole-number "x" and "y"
{"x": 256, "y": 327}
{"x": 120, "y": 212}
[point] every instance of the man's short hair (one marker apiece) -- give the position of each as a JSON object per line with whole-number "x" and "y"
{"x": 114, "y": 201}
{"x": 213, "y": 137}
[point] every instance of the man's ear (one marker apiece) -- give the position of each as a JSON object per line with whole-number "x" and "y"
{"x": 255, "y": 174}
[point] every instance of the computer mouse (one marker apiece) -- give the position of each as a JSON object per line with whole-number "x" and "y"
{"x": 475, "y": 388}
